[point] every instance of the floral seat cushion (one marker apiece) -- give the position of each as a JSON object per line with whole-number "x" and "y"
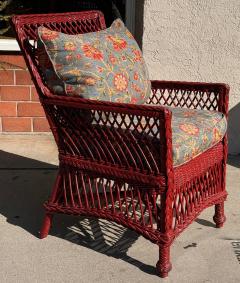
{"x": 104, "y": 65}
{"x": 195, "y": 131}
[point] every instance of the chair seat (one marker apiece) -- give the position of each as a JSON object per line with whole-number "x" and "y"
{"x": 195, "y": 131}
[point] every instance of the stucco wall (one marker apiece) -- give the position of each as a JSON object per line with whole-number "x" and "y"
{"x": 196, "y": 41}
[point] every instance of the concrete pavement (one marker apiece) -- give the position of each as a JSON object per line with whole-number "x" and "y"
{"x": 88, "y": 250}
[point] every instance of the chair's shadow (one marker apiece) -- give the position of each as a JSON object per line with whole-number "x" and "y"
{"x": 234, "y": 160}
{"x": 24, "y": 186}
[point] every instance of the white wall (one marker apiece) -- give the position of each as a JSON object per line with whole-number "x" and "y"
{"x": 196, "y": 40}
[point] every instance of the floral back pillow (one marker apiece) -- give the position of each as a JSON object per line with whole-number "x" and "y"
{"x": 104, "y": 65}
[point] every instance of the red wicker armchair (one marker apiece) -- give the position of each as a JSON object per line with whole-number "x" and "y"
{"x": 109, "y": 167}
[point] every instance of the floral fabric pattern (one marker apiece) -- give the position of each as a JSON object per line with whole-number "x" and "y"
{"x": 195, "y": 131}
{"x": 104, "y": 65}
{"x": 54, "y": 83}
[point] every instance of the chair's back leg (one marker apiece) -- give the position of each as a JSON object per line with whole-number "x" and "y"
{"x": 219, "y": 218}
{"x": 164, "y": 265}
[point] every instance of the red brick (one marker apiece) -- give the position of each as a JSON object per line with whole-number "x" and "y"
{"x": 23, "y": 78}
{"x": 16, "y": 124}
{"x": 14, "y": 93}
{"x": 13, "y": 62}
{"x": 34, "y": 95}
{"x": 40, "y": 125}
{"x": 30, "y": 109}
{"x": 8, "y": 109}
{"x": 6, "y": 77}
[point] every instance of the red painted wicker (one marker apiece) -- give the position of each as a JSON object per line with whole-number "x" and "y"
{"x": 109, "y": 167}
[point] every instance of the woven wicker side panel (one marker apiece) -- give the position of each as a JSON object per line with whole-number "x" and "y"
{"x": 198, "y": 186}
{"x": 185, "y": 98}
{"x": 133, "y": 207}
{"x": 120, "y": 140}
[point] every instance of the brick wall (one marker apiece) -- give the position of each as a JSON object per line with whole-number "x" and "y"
{"x": 20, "y": 110}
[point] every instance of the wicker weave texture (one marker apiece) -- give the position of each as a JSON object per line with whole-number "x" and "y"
{"x": 113, "y": 167}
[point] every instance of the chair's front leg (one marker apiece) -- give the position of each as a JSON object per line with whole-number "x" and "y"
{"x": 164, "y": 265}
{"x": 47, "y": 222}
{"x": 219, "y": 218}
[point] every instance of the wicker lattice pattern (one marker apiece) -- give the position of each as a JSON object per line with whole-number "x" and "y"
{"x": 113, "y": 167}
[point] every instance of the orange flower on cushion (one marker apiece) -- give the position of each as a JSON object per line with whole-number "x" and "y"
{"x": 112, "y": 59}
{"x": 100, "y": 69}
{"x": 135, "y": 76}
{"x": 189, "y": 129}
{"x": 188, "y": 113}
{"x": 142, "y": 95}
{"x": 87, "y": 65}
{"x": 92, "y": 52}
{"x": 195, "y": 151}
{"x": 138, "y": 55}
{"x": 136, "y": 88}
{"x": 205, "y": 138}
{"x": 69, "y": 57}
{"x": 70, "y": 46}
{"x": 120, "y": 82}
{"x": 74, "y": 72}
{"x": 90, "y": 81}
{"x": 134, "y": 100}
{"x": 49, "y": 34}
{"x": 216, "y": 135}
{"x": 119, "y": 100}
{"x": 118, "y": 43}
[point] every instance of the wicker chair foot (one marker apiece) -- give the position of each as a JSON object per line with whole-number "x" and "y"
{"x": 219, "y": 218}
{"x": 163, "y": 272}
{"x": 46, "y": 226}
{"x": 164, "y": 265}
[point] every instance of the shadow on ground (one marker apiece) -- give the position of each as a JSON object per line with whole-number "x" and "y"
{"x": 205, "y": 222}
{"x": 234, "y": 160}
{"x": 26, "y": 184}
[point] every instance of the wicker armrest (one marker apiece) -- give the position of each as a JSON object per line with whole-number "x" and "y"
{"x": 209, "y": 96}
{"x": 127, "y": 108}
